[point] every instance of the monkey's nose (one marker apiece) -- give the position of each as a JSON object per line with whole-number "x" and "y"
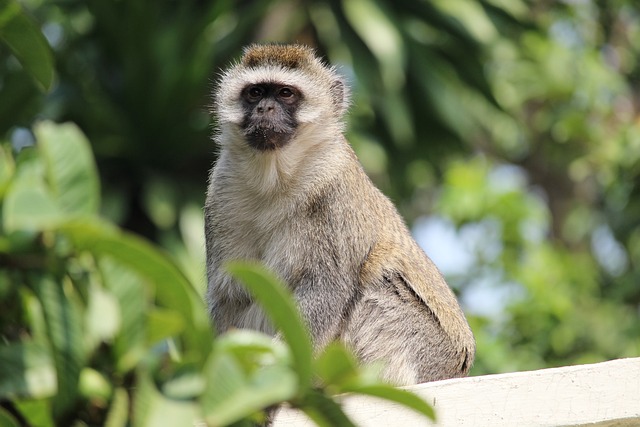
{"x": 264, "y": 107}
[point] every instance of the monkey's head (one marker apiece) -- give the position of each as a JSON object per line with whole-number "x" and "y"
{"x": 275, "y": 92}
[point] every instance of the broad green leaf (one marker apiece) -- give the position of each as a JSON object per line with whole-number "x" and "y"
{"x": 336, "y": 365}
{"x": 35, "y": 314}
{"x": 36, "y": 412}
{"x": 170, "y": 286}
{"x": 94, "y": 385}
{"x": 7, "y": 169}
{"x": 29, "y": 209}
{"x": 224, "y": 377}
{"x": 153, "y": 409}
{"x": 7, "y": 420}
{"x": 27, "y": 43}
{"x": 324, "y": 411}
{"x": 102, "y": 317}
{"x": 162, "y": 324}
{"x": 26, "y": 371}
{"x": 65, "y": 325}
{"x": 391, "y": 393}
{"x": 233, "y": 394}
{"x": 187, "y": 384}
{"x": 70, "y": 168}
{"x": 127, "y": 287}
{"x": 253, "y": 350}
{"x": 279, "y": 305}
{"x": 118, "y": 414}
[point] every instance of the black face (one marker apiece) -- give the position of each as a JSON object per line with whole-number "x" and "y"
{"x": 269, "y": 114}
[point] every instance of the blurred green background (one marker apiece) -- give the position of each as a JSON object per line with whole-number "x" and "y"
{"x": 506, "y": 131}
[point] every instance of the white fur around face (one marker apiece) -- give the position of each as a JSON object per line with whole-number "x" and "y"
{"x": 319, "y": 122}
{"x": 232, "y": 84}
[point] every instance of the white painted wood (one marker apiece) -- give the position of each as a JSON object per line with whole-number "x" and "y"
{"x": 602, "y": 394}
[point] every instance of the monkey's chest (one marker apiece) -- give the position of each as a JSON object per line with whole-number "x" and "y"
{"x": 265, "y": 236}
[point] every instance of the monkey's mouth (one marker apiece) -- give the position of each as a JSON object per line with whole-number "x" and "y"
{"x": 266, "y": 138}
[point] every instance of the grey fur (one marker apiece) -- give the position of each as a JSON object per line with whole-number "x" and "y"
{"x": 311, "y": 214}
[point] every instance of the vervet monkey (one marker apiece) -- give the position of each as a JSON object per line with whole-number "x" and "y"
{"x": 288, "y": 190}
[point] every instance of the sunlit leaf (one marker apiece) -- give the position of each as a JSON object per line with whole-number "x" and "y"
{"x": 234, "y": 394}
{"x": 36, "y": 412}
{"x": 162, "y": 324}
{"x": 7, "y": 169}
{"x": 70, "y": 168}
{"x": 65, "y": 326}
{"x": 26, "y": 371}
{"x": 118, "y": 414}
{"x": 253, "y": 349}
{"x": 102, "y": 317}
{"x": 94, "y": 385}
{"x": 279, "y": 305}
{"x": 128, "y": 289}
{"x": 187, "y": 384}
{"x": 29, "y": 208}
{"x": 171, "y": 287}
{"x": 152, "y": 409}
{"x": 335, "y": 365}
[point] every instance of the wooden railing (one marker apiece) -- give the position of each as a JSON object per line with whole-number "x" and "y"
{"x": 602, "y": 394}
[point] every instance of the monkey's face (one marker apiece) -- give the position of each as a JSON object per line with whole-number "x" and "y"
{"x": 269, "y": 114}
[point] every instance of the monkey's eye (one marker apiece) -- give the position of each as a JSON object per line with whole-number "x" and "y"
{"x": 285, "y": 92}
{"x": 255, "y": 92}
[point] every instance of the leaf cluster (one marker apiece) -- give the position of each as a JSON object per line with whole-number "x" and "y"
{"x": 101, "y": 327}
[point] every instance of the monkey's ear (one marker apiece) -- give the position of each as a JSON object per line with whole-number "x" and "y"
{"x": 340, "y": 96}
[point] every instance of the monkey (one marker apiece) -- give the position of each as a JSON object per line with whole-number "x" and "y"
{"x": 288, "y": 190}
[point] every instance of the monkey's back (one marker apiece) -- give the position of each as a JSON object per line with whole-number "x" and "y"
{"x": 406, "y": 314}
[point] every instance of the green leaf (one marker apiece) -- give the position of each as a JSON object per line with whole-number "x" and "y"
{"x": 336, "y": 365}
{"x": 324, "y": 411}
{"x": 253, "y": 349}
{"x": 171, "y": 287}
{"x": 29, "y": 208}
{"x": 26, "y": 371}
{"x": 153, "y": 409}
{"x": 128, "y": 289}
{"x": 7, "y": 420}
{"x": 93, "y": 385}
{"x": 7, "y": 169}
{"x": 27, "y": 43}
{"x": 279, "y": 305}
{"x": 70, "y": 168}
{"x": 187, "y": 384}
{"x": 162, "y": 324}
{"x": 102, "y": 317}
{"x": 233, "y": 393}
{"x": 118, "y": 414}
{"x": 65, "y": 326}
{"x": 389, "y": 392}
{"x": 36, "y": 412}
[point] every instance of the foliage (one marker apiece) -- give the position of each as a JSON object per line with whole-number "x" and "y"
{"x": 99, "y": 326}
{"x": 514, "y": 124}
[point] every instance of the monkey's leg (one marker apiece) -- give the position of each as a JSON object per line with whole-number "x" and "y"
{"x": 392, "y": 325}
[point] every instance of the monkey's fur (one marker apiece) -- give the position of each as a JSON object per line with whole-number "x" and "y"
{"x": 288, "y": 190}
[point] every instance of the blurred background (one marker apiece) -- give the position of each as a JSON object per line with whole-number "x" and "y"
{"x": 506, "y": 131}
